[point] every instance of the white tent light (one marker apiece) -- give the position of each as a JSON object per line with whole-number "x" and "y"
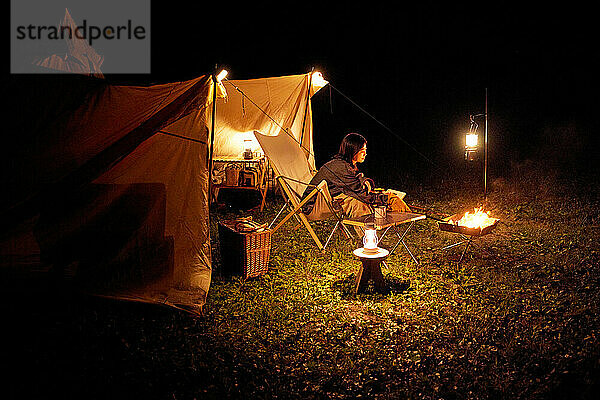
{"x": 317, "y": 81}
{"x": 222, "y": 75}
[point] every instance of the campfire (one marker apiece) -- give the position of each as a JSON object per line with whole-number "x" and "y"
{"x": 476, "y": 223}
{"x": 476, "y": 219}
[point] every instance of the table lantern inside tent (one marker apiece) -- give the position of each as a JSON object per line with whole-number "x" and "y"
{"x": 247, "y": 149}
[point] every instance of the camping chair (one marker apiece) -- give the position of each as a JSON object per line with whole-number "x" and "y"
{"x": 293, "y": 173}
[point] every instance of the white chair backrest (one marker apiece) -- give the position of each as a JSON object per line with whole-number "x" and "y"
{"x": 287, "y": 159}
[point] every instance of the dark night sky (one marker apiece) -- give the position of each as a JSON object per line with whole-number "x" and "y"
{"x": 420, "y": 70}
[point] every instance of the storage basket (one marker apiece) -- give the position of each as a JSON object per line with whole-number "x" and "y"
{"x": 232, "y": 176}
{"x": 245, "y": 247}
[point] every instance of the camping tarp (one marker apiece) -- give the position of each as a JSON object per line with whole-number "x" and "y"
{"x": 85, "y": 160}
{"x": 267, "y": 105}
{"x": 68, "y": 132}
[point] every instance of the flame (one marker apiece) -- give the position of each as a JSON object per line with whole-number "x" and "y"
{"x": 477, "y": 219}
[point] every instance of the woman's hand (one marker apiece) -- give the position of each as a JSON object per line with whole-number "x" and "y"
{"x": 369, "y": 185}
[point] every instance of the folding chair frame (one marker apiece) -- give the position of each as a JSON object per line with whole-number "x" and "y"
{"x": 296, "y": 206}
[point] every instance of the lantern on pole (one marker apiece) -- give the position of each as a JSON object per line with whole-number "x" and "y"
{"x": 472, "y": 142}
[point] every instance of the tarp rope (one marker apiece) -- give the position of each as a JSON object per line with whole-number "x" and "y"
{"x": 182, "y": 137}
{"x": 286, "y": 130}
{"x": 353, "y": 103}
{"x": 309, "y": 151}
{"x": 384, "y": 126}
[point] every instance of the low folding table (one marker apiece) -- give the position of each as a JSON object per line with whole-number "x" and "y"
{"x": 391, "y": 220}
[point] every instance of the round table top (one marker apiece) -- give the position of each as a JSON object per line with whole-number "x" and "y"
{"x": 360, "y": 252}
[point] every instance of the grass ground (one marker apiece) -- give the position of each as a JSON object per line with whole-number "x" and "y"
{"x": 516, "y": 319}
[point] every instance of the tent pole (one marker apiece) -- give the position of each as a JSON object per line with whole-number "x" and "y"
{"x": 306, "y": 108}
{"x": 212, "y": 129}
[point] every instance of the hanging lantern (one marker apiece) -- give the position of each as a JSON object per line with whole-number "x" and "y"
{"x": 471, "y": 145}
{"x": 370, "y": 240}
{"x": 471, "y": 140}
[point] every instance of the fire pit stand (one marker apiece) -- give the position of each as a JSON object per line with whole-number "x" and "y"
{"x": 468, "y": 235}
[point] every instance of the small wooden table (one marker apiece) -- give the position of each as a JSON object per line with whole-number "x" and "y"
{"x": 370, "y": 269}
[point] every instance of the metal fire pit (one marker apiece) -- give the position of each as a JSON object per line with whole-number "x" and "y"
{"x": 466, "y": 233}
{"x": 464, "y": 230}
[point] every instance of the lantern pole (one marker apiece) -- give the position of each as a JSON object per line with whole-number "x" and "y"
{"x": 485, "y": 148}
{"x": 312, "y": 70}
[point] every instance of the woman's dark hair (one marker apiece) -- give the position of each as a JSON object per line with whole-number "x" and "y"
{"x": 351, "y": 144}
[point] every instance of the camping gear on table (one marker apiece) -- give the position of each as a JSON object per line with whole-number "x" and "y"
{"x": 245, "y": 247}
{"x": 380, "y": 205}
{"x": 393, "y": 200}
{"x": 238, "y": 175}
{"x": 380, "y": 212}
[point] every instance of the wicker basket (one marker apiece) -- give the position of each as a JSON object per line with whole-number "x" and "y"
{"x": 245, "y": 248}
{"x": 232, "y": 176}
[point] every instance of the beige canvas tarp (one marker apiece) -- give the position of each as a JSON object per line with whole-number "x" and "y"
{"x": 120, "y": 136}
{"x": 181, "y": 165}
{"x": 267, "y": 105}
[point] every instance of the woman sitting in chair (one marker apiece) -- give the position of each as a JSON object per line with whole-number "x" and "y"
{"x": 349, "y": 186}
